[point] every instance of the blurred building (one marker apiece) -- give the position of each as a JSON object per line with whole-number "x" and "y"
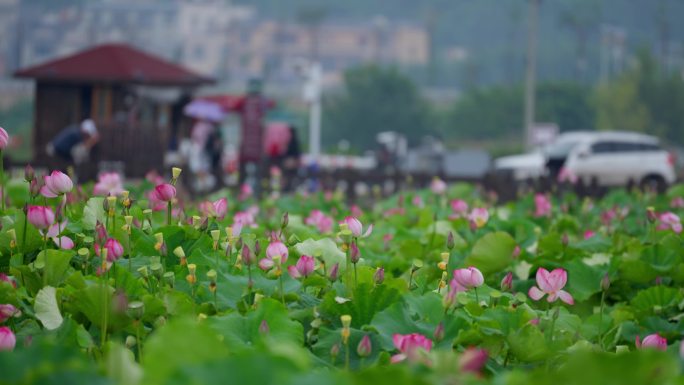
{"x": 213, "y": 37}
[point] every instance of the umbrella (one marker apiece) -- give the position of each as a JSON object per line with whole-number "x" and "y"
{"x": 203, "y": 109}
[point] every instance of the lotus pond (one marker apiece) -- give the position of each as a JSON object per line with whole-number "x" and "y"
{"x": 102, "y": 285}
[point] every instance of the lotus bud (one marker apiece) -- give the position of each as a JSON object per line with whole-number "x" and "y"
{"x": 564, "y": 239}
{"x": 105, "y": 205}
{"x": 247, "y": 256}
{"x": 334, "y": 272}
{"x": 35, "y": 186}
{"x": 285, "y": 221}
{"x": 354, "y": 253}
{"x": 651, "y": 214}
{"x": 438, "y": 335}
{"x": 605, "y": 282}
{"x": 379, "y": 276}
{"x": 450, "y": 241}
{"x": 29, "y": 174}
{"x": 507, "y": 282}
{"x": 239, "y": 244}
{"x": 364, "y": 348}
{"x": 257, "y": 248}
{"x": 334, "y": 351}
{"x": 263, "y": 328}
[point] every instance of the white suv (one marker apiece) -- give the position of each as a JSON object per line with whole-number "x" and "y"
{"x": 616, "y": 159}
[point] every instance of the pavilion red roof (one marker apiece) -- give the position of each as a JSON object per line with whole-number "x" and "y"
{"x": 114, "y": 63}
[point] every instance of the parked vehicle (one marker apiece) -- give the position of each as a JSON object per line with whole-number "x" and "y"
{"x": 618, "y": 158}
{"x": 609, "y": 158}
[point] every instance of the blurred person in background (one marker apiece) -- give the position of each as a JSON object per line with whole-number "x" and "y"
{"x": 201, "y": 159}
{"x": 75, "y": 142}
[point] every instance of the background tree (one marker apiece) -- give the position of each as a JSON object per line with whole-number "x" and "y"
{"x": 375, "y": 99}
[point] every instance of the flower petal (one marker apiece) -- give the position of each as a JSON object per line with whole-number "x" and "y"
{"x": 369, "y": 230}
{"x": 535, "y": 293}
{"x": 558, "y": 278}
{"x": 566, "y": 297}
{"x": 397, "y": 358}
{"x": 543, "y": 280}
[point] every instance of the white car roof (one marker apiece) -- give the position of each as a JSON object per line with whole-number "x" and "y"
{"x": 592, "y": 136}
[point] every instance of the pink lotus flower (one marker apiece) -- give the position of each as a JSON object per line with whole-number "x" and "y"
{"x": 40, "y": 217}
{"x": 114, "y": 249}
{"x": 669, "y": 221}
{"x": 275, "y": 248}
{"x": 7, "y": 339}
{"x": 469, "y": 278}
{"x": 54, "y": 232}
{"x": 459, "y": 207}
{"x": 7, "y": 311}
{"x": 479, "y": 217}
{"x": 542, "y": 206}
{"x": 652, "y": 341}
{"x": 565, "y": 175}
{"x": 356, "y": 227}
{"x": 244, "y": 218}
{"x": 304, "y": 267}
{"x": 216, "y": 209}
{"x": 507, "y": 282}
{"x": 5, "y": 278}
{"x": 245, "y": 191}
{"x": 109, "y": 183}
{"x": 4, "y": 139}
{"x": 165, "y": 192}
{"x": 473, "y": 360}
{"x": 438, "y": 186}
{"x": 677, "y": 202}
{"x": 412, "y": 347}
{"x": 220, "y": 208}
{"x": 364, "y": 348}
{"x": 323, "y": 222}
{"x": 356, "y": 211}
{"x": 588, "y": 234}
{"x": 417, "y": 201}
{"x": 552, "y": 284}
{"x": 56, "y": 184}
{"x": 608, "y": 216}
{"x": 449, "y": 298}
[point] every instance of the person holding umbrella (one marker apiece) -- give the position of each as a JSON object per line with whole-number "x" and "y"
{"x": 204, "y": 140}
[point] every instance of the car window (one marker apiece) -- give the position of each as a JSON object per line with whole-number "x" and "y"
{"x": 616, "y": 146}
{"x": 561, "y": 149}
{"x": 602, "y": 147}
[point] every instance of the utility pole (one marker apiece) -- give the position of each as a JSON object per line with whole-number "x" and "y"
{"x": 531, "y": 69}
{"x": 312, "y": 95}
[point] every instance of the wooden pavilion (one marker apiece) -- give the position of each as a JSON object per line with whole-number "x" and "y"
{"x": 135, "y": 99}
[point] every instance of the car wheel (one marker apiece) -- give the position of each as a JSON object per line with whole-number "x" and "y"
{"x": 654, "y": 183}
